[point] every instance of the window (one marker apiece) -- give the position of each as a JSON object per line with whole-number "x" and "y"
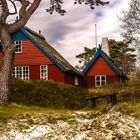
{"x": 21, "y": 72}
{"x": 76, "y": 82}
{"x": 100, "y": 80}
{"x": 18, "y": 44}
{"x": 43, "y": 72}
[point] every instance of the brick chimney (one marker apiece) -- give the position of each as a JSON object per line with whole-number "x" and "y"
{"x": 105, "y": 45}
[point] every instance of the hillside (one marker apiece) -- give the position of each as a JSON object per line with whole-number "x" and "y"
{"x": 77, "y": 125}
{"x": 45, "y": 110}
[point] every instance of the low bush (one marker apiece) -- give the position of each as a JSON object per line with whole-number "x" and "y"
{"x": 132, "y": 109}
{"x": 126, "y": 92}
{"x": 47, "y": 94}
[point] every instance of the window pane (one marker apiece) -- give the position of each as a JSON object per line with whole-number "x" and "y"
{"x": 103, "y": 83}
{"x": 98, "y": 83}
{"x": 21, "y": 72}
{"x": 13, "y": 74}
{"x": 18, "y": 46}
{"x": 98, "y": 78}
{"x": 43, "y": 70}
{"x": 103, "y": 78}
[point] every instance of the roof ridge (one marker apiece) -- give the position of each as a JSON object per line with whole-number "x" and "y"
{"x": 34, "y": 32}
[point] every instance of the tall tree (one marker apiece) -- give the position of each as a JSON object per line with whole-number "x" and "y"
{"x": 122, "y": 55}
{"x": 131, "y": 23}
{"x": 7, "y": 46}
{"x": 85, "y": 57}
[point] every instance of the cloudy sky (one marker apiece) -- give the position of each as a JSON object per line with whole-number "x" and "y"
{"x": 70, "y": 33}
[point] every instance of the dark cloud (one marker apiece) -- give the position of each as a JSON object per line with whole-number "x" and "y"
{"x": 58, "y": 32}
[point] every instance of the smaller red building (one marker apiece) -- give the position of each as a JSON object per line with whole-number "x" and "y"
{"x": 35, "y": 59}
{"x": 101, "y": 71}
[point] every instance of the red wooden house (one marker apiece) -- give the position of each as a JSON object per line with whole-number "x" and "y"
{"x": 35, "y": 59}
{"x": 101, "y": 69}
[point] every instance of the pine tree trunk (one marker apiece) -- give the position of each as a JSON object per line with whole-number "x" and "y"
{"x": 8, "y": 49}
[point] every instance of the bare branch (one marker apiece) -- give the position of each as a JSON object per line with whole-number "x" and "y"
{"x": 33, "y": 7}
{"x": 23, "y": 9}
{"x": 13, "y": 3}
{"x": 24, "y": 15}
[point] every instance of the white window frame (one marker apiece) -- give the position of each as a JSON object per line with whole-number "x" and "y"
{"x": 23, "y": 77}
{"x": 100, "y": 80}
{"x": 43, "y": 78}
{"x": 76, "y": 81}
{"x": 18, "y": 44}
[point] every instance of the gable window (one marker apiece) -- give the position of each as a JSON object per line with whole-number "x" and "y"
{"x": 21, "y": 72}
{"x": 76, "y": 82}
{"x": 100, "y": 80}
{"x": 43, "y": 72}
{"x": 18, "y": 44}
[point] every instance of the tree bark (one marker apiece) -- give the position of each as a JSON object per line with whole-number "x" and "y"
{"x": 7, "y": 45}
{"x": 8, "y": 49}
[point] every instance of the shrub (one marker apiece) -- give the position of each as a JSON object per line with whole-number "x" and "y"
{"x": 132, "y": 109}
{"x": 48, "y": 94}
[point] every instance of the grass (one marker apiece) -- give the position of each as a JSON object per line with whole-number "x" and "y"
{"x": 132, "y": 109}
{"x": 13, "y": 110}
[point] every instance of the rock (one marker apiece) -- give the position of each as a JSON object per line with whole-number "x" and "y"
{"x": 74, "y": 126}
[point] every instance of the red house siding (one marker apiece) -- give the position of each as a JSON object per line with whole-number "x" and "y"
{"x": 100, "y": 67}
{"x": 54, "y": 73}
{"x": 112, "y": 79}
{"x": 34, "y": 72}
{"x": 69, "y": 79}
{"x": 88, "y": 81}
{"x": 30, "y": 55}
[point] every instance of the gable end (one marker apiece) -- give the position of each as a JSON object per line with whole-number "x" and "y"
{"x": 103, "y": 55}
{"x": 26, "y": 36}
{"x": 19, "y": 36}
